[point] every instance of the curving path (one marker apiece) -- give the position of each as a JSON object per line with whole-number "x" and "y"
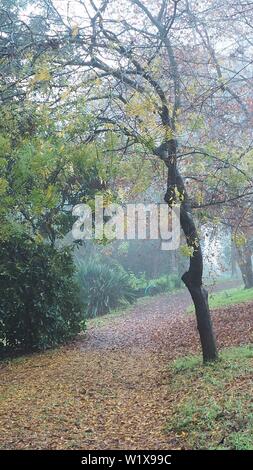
{"x": 111, "y": 388}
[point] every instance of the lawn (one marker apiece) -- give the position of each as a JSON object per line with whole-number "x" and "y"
{"x": 214, "y": 407}
{"x": 227, "y": 297}
{"x": 232, "y": 296}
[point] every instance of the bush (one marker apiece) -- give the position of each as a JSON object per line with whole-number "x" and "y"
{"x": 39, "y": 306}
{"x": 152, "y": 287}
{"x": 163, "y": 284}
{"x": 104, "y": 287}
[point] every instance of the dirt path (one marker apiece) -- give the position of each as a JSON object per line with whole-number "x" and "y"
{"x": 158, "y": 324}
{"x": 110, "y": 390}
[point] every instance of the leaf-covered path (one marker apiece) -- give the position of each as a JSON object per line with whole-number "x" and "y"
{"x": 110, "y": 389}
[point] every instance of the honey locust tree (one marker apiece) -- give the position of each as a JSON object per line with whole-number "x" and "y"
{"x": 151, "y": 74}
{"x": 128, "y": 51}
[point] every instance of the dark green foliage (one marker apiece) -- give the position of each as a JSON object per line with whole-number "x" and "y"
{"x": 104, "y": 287}
{"x": 39, "y": 306}
{"x": 152, "y": 287}
{"x": 163, "y": 284}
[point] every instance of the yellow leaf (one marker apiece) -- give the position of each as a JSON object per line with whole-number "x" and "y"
{"x": 42, "y": 75}
{"x": 75, "y": 31}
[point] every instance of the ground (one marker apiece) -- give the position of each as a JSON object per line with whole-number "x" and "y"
{"x": 114, "y": 387}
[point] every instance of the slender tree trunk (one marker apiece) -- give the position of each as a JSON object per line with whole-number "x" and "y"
{"x": 233, "y": 259}
{"x": 244, "y": 254}
{"x": 193, "y": 277}
{"x": 200, "y": 299}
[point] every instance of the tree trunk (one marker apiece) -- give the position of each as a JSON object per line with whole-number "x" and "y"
{"x": 200, "y": 299}
{"x": 193, "y": 277}
{"x": 233, "y": 260}
{"x": 243, "y": 254}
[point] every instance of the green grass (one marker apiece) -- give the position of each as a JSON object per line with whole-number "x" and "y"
{"x": 228, "y": 297}
{"x": 214, "y": 407}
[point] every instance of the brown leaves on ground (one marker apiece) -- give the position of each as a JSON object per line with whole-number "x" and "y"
{"x": 110, "y": 389}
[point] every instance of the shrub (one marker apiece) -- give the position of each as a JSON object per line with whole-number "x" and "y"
{"x": 104, "y": 286}
{"x": 162, "y": 284}
{"x": 139, "y": 284}
{"x": 152, "y": 287}
{"x": 39, "y": 306}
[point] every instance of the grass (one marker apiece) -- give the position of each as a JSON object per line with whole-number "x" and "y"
{"x": 228, "y": 297}
{"x": 214, "y": 407}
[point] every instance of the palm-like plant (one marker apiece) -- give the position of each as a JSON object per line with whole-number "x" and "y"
{"x": 104, "y": 287}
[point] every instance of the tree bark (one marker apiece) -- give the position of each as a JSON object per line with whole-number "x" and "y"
{"x": 193, "y": 277}
{"x": 244, "y": 254}
{"x": 233, "y": 259}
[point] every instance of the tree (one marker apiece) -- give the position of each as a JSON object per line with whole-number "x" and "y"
{"x": 153, "y": 76}
{"x": 224, "y": 176}
{"x": 138, "y": 105}
{"x": 240, "y": 221}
